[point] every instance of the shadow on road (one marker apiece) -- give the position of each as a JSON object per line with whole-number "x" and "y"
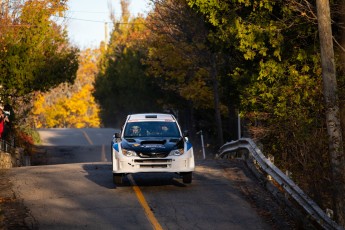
{"x": 158, "y": 179}
{"x": 100, "y": 173}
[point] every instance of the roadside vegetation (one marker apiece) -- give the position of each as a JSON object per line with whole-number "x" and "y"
{"x": 205, "y": 62}
{"x": 70, "y": 105}
{"x": 35, "y": 56}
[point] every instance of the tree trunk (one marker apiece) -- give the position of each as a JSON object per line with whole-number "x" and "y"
{"x": 332, "y": 108}
{"x": 341, "y": 52}
{"x": 216, "y": 100}
{"x": 342, "y": 41}
{"x": 233, "y": 123}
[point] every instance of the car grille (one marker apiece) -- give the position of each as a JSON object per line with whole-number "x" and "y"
{"x": 153, "y": 155}
{"x": 153, "y": 163}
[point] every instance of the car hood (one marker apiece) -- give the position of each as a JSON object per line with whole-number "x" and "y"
{"x": 152, "y": 144}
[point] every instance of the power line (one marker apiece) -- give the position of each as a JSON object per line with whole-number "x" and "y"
{"x": 97, "y": 21}
{"x": 94, "y": 12}
{"x": 18, "y": 25}
{"x": 87, "y": 12}
{"x": 80, "y": 19}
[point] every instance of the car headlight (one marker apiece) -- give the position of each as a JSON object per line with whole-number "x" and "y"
{"x": 129, "y": 153}
{"x": 176, "y": 152}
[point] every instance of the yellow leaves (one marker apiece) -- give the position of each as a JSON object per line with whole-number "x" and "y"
{"x": 198, "y": 92}
{"x": 276, "y": 53}
{"x": 71, "y": 106}
{"x": 270, "y": 71}
{"x": 38, "y": 105}
{"x": 83, "y": 111}
{"x": 258, "y": 4}
{"x": 245, "y": 2}
{"x": 79, "y": 111}
{"x": 305, "y": 68}
{"x": 258, "y": 39}
{"x": 249, "y": 54}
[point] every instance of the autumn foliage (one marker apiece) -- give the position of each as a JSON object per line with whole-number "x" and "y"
{"x": 204, "y": 61}
{"x": 70, "y": 106}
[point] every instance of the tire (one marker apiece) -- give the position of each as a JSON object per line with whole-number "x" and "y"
{"x": 187, "y": 177}
{"x": 117, "y": 178}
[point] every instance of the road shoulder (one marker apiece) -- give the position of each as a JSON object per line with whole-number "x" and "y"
{"x": 13, "y": 213}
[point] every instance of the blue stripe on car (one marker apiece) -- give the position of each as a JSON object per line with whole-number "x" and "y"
{"x": 116, "y": 146}
{"x": 189, "y": 145}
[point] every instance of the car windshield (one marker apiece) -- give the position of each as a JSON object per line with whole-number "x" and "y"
{"x": 151, "y": 129}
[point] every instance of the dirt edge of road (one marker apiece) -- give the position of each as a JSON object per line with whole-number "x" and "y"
{"x": 13, "y": 213}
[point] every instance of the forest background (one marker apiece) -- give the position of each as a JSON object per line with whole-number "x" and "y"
{"x": 204, "y": 61}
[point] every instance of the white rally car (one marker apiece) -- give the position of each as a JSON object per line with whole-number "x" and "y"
{"x": 152, "y": 143}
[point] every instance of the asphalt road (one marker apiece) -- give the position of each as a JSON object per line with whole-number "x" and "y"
{"x": 65, "y": 146}
{"x": 75, "y": 191}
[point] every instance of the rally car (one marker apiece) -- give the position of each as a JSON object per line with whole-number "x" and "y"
{"x": 151, "y": 143}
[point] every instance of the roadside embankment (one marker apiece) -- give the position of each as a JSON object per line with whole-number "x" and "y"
{"x": 10, "y": 160}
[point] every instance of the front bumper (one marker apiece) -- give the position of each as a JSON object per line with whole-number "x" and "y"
{"x": 123, "y": 164}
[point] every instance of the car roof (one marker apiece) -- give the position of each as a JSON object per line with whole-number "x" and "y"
{"x": 150, "y": 117}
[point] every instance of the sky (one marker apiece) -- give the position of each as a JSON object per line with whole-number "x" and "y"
{"x": 85, "y": 19}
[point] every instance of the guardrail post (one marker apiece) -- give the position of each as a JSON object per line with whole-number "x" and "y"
{"x": 202, "y": 144}
{"x": 238, "y": 124}
{"x": 329, "y": 213}
{"x": 288, "y": 173}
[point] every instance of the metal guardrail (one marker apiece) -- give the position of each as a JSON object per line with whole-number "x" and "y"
{"x": 289, "y": 186}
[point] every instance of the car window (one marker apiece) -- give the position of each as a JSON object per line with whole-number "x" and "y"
{"x": 151, "y": 129}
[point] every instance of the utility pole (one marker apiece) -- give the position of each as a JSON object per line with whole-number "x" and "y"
{"x": 105, "y": 35}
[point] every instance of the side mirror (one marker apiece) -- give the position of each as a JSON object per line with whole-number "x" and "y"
{"x": 117, "y": 135}
{"x": 185, "y": 133}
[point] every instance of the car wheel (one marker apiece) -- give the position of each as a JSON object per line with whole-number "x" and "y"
{"x": 117, "y": 178}
{"x": 187, "y": 177}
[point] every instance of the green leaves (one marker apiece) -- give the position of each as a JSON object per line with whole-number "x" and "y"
{"x": 275, "y": 63}
{"x": 35, "y": 54}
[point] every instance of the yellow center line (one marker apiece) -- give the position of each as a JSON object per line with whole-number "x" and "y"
{"x": 144, "y": 204}
{"x": 87, "y": 138}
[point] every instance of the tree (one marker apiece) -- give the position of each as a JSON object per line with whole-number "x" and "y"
{"x": 282, "y": 92}
{"x": 336, "y": 148}
{"x": 184, "y": 59}
{"x": 35, "y": 54}
{"x": 121, "y": 86}
{"x": 71, "y": 105}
